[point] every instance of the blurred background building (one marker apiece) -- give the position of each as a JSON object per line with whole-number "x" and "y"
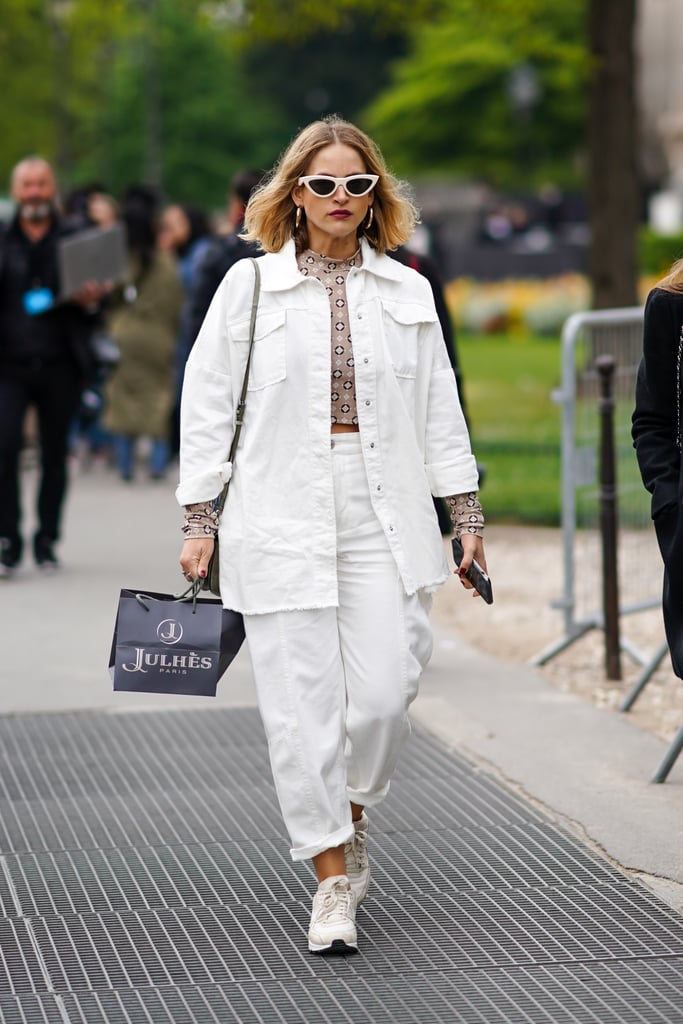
{"x": 660, "y": 94}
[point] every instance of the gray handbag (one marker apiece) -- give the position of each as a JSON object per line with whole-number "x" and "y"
{"x": 212, "y": 581}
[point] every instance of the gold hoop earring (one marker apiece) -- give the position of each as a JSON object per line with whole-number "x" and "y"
{"x": 368, "y": 223}
{"x": 297, "y": 222}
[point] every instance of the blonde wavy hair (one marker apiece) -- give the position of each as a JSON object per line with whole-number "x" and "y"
{"x": 673, "y": 281}
{"x": 271, "y": 214}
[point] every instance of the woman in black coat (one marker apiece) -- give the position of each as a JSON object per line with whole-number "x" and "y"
{"x": 657, "y": 438}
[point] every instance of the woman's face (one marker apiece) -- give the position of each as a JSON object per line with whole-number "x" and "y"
{"x": 333, "y": 221}
{"x": 174, "y": 228}
{"x": 102, "y": 210}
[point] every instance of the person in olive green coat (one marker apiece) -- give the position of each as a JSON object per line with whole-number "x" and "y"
{"x": 144, "y": 319}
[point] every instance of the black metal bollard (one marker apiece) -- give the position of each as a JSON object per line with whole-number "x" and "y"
{"x": 605, "y": 366}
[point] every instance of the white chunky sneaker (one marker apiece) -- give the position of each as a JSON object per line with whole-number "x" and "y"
{"x": 333, "y": 921}
{"x": 356, "y": 857}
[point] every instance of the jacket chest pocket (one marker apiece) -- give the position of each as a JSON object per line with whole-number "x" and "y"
{"x": 268, "y": 364}
{"x": 402, "y": 324}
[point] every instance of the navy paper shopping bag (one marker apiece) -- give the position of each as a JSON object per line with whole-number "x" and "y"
{"x": 165, "y": 645}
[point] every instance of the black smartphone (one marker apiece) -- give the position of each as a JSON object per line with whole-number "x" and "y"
{"x": 476, "y": 575}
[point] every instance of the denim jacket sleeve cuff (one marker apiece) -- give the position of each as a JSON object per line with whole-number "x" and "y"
{"x": 457, "y": 476}
{"x": 203, "y": 486}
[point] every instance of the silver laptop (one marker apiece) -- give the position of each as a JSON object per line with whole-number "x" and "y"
{"x": 95, "y": 254}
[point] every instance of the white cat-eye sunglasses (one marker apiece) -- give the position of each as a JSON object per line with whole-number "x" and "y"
{"x": 324, "y": 186}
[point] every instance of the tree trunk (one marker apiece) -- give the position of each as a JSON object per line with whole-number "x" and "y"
{"x": 613, "y": 179}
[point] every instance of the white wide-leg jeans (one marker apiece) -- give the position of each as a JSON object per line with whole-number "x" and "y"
{"x": 334, "y": 684}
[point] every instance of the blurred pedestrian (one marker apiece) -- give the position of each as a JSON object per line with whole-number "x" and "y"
{"x": 103, "y": 210}
{"x": 184, "y": 232}
{"x": 74, "y": 207}
{"x": 657, "y": 437}
{"x": 44, "y": 359}
{"x": 90, "y": 442}
{"x": 330, "y": 546}
{"x": 143, "y": 319}
{"x": 222, "y": 253}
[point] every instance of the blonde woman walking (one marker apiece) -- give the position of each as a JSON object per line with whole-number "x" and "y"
{"x": 330, "y": 545}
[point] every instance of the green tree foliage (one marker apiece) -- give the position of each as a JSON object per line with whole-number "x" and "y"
{"x": 298, "y": 19}
{"x": 450, "y": 106}
{"x": 178, "y": 72}
{"x": 85, "y": 38}
{"x": 189, "y": 90}
{"x": 314, "y": 59}
{"x": 309, "y": 76}
{"x": 26, "y": 81}
{"x": 93, "y": 86}
{"x": 54, "y": 60}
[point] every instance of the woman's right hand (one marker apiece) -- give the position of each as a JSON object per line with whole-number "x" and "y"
{"x": 473, "y": 550}
{"x": 194, "y": 557}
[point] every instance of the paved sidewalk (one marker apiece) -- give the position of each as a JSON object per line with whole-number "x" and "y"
{"x": 145, "y": 874}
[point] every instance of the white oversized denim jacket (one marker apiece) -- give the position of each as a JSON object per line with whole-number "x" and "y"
{"x": 277, "y": 531}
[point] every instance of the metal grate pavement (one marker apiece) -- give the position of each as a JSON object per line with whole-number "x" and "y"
{"x": 145, "y": 878}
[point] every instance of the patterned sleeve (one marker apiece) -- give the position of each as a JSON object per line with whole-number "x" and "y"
{"x": 467, "y": 515}
{"x": 201, "y": 519}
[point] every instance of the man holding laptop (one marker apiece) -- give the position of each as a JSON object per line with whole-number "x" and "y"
{"x": 44, "y": 358}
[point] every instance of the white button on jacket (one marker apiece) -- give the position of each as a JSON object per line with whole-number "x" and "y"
{"x": 277, "y": 533}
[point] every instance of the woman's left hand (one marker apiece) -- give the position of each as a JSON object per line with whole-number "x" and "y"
{"x": 194, "y": 557}
{"x": 473, "y": 548}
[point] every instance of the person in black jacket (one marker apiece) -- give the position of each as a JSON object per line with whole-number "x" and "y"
{"x": 44, "y": 359}
{"x": 656, "y": 430}
{"x": 221, "y": 254}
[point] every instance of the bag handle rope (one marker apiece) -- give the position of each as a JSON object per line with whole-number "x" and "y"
{"x": 190, "y": 594}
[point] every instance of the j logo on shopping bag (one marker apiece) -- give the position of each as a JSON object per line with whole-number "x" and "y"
{"x": 170, "y": 631}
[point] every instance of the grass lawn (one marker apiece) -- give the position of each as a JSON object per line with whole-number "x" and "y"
{"x": 514, "y": 423}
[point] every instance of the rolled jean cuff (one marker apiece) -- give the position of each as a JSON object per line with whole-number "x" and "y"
{"x": 342, "y": 835}
{"x": 368, "y": 799}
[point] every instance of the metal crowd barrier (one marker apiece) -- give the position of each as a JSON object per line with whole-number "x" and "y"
{"x": 586, "y": 337}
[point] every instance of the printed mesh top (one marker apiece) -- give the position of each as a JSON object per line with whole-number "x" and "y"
{"x": 332, "y": 274}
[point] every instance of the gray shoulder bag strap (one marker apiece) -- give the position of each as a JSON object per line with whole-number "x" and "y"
{"x": 242, "y": 404}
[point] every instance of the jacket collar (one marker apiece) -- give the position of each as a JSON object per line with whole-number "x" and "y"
{"x": 378, "y": 264}
{"x": 279, "y": 270}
